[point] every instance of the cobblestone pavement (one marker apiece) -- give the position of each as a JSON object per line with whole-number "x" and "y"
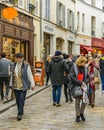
{"x": 41, "y": 115}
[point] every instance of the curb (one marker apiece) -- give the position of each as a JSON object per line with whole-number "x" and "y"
{"x": 13, "y": 103}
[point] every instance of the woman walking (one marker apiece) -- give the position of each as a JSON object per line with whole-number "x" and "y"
{"x": 79, "y": 77}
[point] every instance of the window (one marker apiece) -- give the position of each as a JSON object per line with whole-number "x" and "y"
{"x": 47, "y": 11}
{"x": 93, "y": 25}
{"x": 60, "y": 14}
{"x": 93, "y": 2}
{"x": 83, "y": 23}
{"x": 21, "y": 3}
{"x": 70, "y": 20}
{"x": 78, "y": 21}
{"x": 27, "y": 4}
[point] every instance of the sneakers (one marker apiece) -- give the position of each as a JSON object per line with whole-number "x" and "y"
{"x": 58, "y": 105}
{"x": 54, "y": 103}
{"x": 5, "y": 99}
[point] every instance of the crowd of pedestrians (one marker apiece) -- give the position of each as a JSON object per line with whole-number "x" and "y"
{"x": 80, "y": 75}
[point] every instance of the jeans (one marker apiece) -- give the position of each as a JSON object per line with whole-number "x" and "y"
{"x": 4, "y": 80}
{"x": 20, "y": 96}
{"x": 56, "y": 92}
{"x": 102, "y": 79}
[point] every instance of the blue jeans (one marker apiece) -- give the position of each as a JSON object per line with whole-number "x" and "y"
{"x": 20, "y": 96}
{"x": 102, "y": 79}
{"x": 56, "y": 92}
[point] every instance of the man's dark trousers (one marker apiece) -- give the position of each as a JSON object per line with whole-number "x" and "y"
{"x": 4, "y": 80}
{"x": 20, "y": 96}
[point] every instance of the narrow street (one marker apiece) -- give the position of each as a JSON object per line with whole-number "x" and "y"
{"x": 40, "y": 114}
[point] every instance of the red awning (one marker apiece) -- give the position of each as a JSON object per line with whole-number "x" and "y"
{"x": 89, "y": 49}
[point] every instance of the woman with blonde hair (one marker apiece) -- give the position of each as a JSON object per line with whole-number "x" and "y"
{"x": 79, "y": 78}
{"x": 47, "y": 68}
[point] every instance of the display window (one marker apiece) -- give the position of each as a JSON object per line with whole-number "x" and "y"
{"x": 11, "y": 47}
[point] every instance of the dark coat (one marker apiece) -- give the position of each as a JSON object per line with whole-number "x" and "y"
{"x": 66, "y": 78}
{"x": 73, "y": 78}
{"x": 57, "y": 67}
{"x": 101, "y": 64}
{"x": 47, "y": 66}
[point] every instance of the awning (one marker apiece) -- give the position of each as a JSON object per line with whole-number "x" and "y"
{"x": 85, "y": 49}
{"x": 88, "y": 49}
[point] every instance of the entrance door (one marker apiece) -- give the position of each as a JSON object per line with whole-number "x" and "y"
{"x": 24, "y": 47}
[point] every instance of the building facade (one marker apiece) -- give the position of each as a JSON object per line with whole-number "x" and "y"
{"x": 89, "y": 22}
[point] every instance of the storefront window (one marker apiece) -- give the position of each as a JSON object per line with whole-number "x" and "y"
{"x": 11, "y": 47}
{"x": 59, "y": 44}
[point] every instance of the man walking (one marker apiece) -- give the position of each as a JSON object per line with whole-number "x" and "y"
{"x": 4, "y": 75}
{"x": 101, "y": 64}
{"x": 57, "y": 67}
{"x": 21, "y": 81}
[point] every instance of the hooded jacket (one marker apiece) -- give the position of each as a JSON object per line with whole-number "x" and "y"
{"x": 57, "y": 67}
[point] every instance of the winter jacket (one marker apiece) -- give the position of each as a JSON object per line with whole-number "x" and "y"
{"x": 74, "y": 80}
{"x": 57, "y": 67}
{"x": 66, "y": 77}
{"x": 4, "y": 67}
{"x": 101, "y": 64}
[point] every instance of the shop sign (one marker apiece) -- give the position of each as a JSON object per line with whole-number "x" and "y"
{"x": 49, "y": 28}
{"x": 9, "y": 13}
{"x": 70, "y": 37}
{"x": 97, "y": 42}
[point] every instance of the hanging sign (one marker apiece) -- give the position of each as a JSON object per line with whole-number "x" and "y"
{"x": 9, "y": 13}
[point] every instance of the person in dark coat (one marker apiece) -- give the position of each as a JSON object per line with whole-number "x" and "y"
{"x": 66, "y": 78}
{"x": 4, "y": 76}
{"x": 47, "y": 68}
{"x": 57, "y": 67}
{"x": 101, "y": 64}
{"x": 79, "y": 69}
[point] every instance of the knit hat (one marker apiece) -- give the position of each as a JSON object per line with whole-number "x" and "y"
{"x": 58, "y": 53}
{"x": 19, "y": 55}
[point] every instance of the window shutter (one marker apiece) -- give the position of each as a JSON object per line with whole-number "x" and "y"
{"x": 68, "y": 18}
{"x": 63, "y": 15}
{"x": 57, "y": 13}
{"x": 73, "y": 21}
{"x": 36, "y": 9}
{"x": 48, "y": 9}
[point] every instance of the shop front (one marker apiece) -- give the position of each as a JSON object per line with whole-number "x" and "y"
{"x": 98, "y": 45}
{"x": 70, "y": 40}
{"x": 83, "y": 44}
{"x": 17, "y": 35}
{"x": 48, "y": 39}
{"x": 59, "y": 44}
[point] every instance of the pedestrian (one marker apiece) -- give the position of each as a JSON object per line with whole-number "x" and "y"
{"x": 57, "y": 67}
{"x": 47, "y": 68}
{"x": 93, "y": 69}
{"x": 4, "y": 76}
{"x": 101, "y": 64}
{"x": 79, "y": 77}
{"x": 67, "y": 93}
{"x": 21, "y": 81}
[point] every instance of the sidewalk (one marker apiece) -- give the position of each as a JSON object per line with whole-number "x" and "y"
{"x": 6, "y": 106}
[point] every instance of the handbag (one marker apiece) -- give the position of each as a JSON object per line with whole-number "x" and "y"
{"x": 77, "y": 91}
{"x": 96, "y": 80}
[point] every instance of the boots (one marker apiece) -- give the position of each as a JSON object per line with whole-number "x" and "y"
{"x": 77, "y": 118}
{"x": 82, "y": 117}
{"x": 93, "y": 100}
